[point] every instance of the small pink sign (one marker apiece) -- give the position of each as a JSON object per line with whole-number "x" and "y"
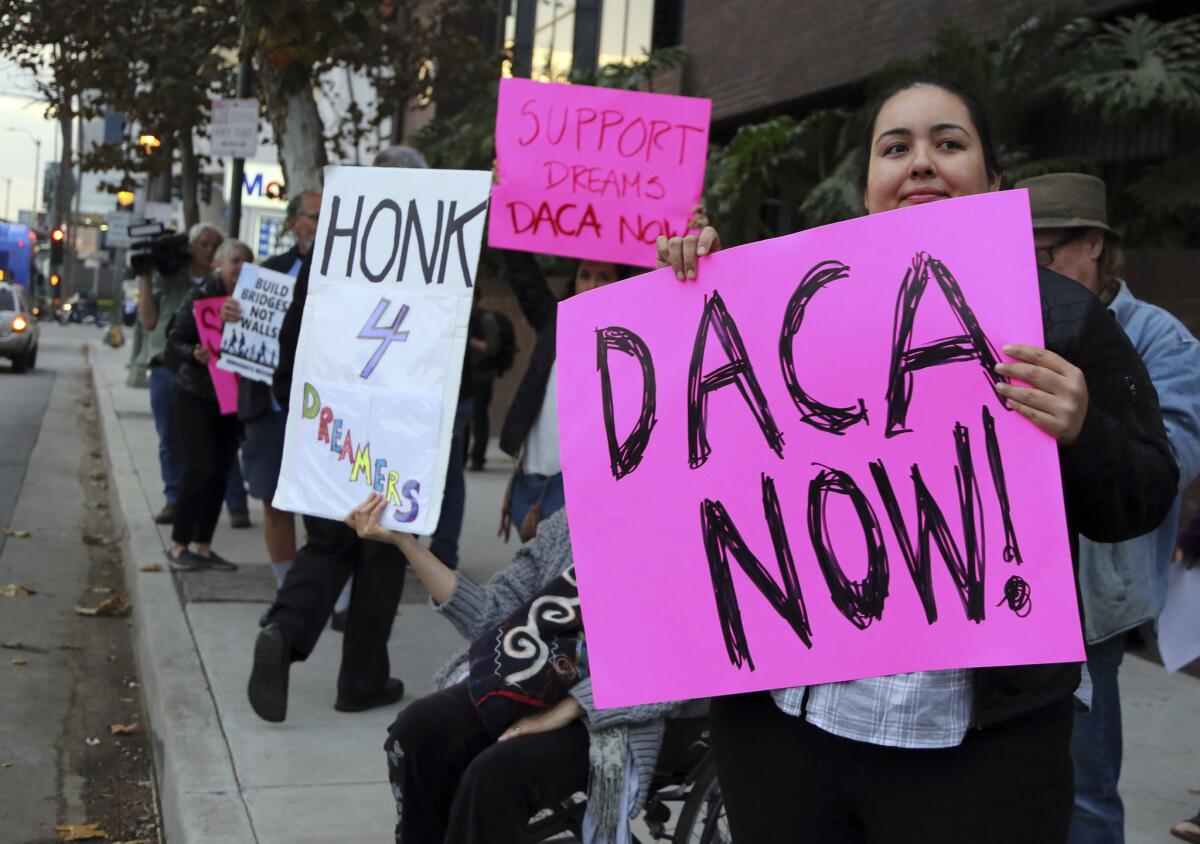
{"x": 209, "y": 324}
{"x": 796, "y": 470}
{"x": 595, "y": 173}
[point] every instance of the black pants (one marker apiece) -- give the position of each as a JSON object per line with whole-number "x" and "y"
{"x": 481, "y": 395}
{"x": 785, "y": 780}
{"x": 305, "y": 601}
{"x": 454, "y": 784}
{"x": 209, "y": 443}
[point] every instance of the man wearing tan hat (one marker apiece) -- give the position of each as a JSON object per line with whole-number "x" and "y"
{"x": 1123, "y": 585}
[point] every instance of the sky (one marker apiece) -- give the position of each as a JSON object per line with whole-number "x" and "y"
{"x": 18, "y": 110}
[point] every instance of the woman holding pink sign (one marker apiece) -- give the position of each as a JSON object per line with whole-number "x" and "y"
{"x": 208, "y": 439}
{"x": 978, "y": 755}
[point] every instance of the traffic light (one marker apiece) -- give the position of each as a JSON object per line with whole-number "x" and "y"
{"x": 57, "y": 238}
{"x": 54, "y": 279}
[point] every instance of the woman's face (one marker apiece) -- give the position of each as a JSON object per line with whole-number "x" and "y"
{"x": 230, "y": 268}
{"x": 593, "y": 274}
{"x": 924, "y": 147}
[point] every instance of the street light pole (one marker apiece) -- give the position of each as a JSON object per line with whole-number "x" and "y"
{"x": 7, "y": 194}
{"x": 37, "y": 163}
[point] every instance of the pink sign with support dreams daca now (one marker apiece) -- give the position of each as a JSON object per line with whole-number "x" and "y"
{"x": 595, "y": 173}
{"x": 796, "y": 470}
{"x": 209, "y": 326}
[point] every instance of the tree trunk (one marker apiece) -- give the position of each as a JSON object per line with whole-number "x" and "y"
{"x": 299, "y": 131}
{"x": 60, "y": 206}
{"x": 188, "y": 175}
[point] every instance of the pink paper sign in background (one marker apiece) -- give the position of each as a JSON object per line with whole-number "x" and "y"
{"x": 650, "y": 590}
{"x": 595, "y": 173}
{"x": 209, "y": 325}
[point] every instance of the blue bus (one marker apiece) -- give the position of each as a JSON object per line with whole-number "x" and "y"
{"x": 16, "y": 254}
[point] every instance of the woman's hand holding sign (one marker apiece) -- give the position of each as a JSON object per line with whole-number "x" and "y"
{"x": 680, "y": 253}
{"x": 231, "y": 310}
{"x": 437, "y": 577}
{"x": 1056, "y": 399}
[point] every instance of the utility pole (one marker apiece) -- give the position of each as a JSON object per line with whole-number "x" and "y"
{"x": 245, "y": 68}
{"x": 7, "y": 194}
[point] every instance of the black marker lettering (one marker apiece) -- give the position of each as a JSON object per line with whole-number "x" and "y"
{"x": 861, "y": 602}
{"x": 931, "y": 524}
{"x": 1012, "y": 551}
{"x": 971, "y": 345}
{"x": 388, "y": 205}
{"x": 738, "y": 371}
{"x": 455, "y": 228}
{"x": 333, "y": 232}
{"x": 823, "y": 417}
{"x": 721, "y": 538}
{"x": 428, "y": 262}
{"x": 626, "y": 456}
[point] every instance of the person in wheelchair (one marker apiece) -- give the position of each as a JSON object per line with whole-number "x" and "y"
{"x": 512, "y": 728}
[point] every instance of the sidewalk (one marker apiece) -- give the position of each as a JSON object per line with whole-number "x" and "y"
{"x": 226, "y": 776}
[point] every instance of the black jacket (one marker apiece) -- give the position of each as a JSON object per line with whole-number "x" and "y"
{"x": 289, "y": 336}
{"x": 540, "y": 306}
{"x": 1119, "y": 477}
{"x": 254, "y": 397}
{"x": 182, "y": 339}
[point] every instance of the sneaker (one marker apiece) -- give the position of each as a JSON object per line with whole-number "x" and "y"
{"x": 165, "y": 516}
{"x": 268, "y": 687}
{"x": 185, "y": 560}
{"x": 216, "y": 561}
{"x": 392, "y": 692}
{"x": 239, "y": 518}
{"x": 337, "y": 621}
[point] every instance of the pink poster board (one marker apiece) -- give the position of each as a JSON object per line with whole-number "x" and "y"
{"x": 208, "y": 323}
{"x": 771, "y": 443}
{"x": 595, "y": 173}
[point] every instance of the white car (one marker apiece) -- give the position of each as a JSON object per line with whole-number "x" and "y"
{"x": 18, "y": 328}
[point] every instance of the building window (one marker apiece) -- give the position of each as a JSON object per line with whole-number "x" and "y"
{"x": 621, "y": 34}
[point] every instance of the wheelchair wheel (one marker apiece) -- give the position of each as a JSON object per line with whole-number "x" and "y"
{"x": 702, "y": 819}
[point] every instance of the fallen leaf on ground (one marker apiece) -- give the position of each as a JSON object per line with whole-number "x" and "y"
{"x": 136, "y": 841}
{"x": 150, "y": 567}
{"x": 95, "y": 539}
{"x": 124, "y": 729}
{"x": 5, "y": 764}
{"x": 127, "y": 700}
{"x": 69, "y": 648}
{"x": 14, "y": 590}
{"x": 99, "y": 590}
{"x": 114, "y": 606}
{"x": 18, "y": 661}
{"x": 12, "y": 646}
{"x": 1194, "y": 790}
{"x": 16, "y": 534}
{"x": 91, "y": 742}
{"x": 80, "y": 832}
{"x": 98, "y": 475}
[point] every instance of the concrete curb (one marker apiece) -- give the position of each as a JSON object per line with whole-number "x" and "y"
{"x": 198, "y": 786}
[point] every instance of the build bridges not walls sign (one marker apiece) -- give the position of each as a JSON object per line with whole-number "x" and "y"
{"x": 796, "y": 470}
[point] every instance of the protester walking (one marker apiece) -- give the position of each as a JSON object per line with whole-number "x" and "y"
{"x": 331, "y": 555}
{"x": 1123, "y": 585}
{"x": 979, "y": 755}
{"x": 208, "y": 437}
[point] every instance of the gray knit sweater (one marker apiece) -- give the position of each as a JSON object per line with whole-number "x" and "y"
{"x": 634, "y": 732}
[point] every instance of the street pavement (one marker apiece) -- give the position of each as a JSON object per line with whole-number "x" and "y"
{"x": 226, "y": 776}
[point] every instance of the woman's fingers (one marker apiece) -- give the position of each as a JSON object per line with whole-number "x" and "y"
{"x": 1039, "y": 357}
{"x": 662, "y": 251}
{"x": 710, "y": 241}
{"x": 675, "y": 256}
{"x": 689, "y": 255}
{"x": 1032, "y": 374}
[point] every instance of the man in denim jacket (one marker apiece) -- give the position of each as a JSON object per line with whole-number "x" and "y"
{"x": 1123, "y": 584}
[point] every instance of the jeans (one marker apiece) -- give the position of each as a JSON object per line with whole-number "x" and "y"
{"x": 444, "y": 544}
{"x": 1099, "y": 815}
{"x": 171, "y": 453}
{"x": 525, "y": 491}
{"x": 210, "y": 440}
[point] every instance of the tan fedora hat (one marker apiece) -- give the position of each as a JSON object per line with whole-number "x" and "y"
{"x": 1068, "y": 201}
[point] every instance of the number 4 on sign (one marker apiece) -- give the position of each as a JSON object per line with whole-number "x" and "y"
{"x": 385, "y": 334}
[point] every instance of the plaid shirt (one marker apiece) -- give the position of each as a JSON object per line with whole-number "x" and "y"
{"x": 926, "y": 709}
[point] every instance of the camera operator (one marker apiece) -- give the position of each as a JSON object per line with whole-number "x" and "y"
{"x": 169, "y": 267}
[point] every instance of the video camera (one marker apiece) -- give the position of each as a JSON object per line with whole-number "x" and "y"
{"x": 156, "y": 247}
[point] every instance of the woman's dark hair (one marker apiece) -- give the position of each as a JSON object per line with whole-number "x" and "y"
{"x": 974, "y": 108}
